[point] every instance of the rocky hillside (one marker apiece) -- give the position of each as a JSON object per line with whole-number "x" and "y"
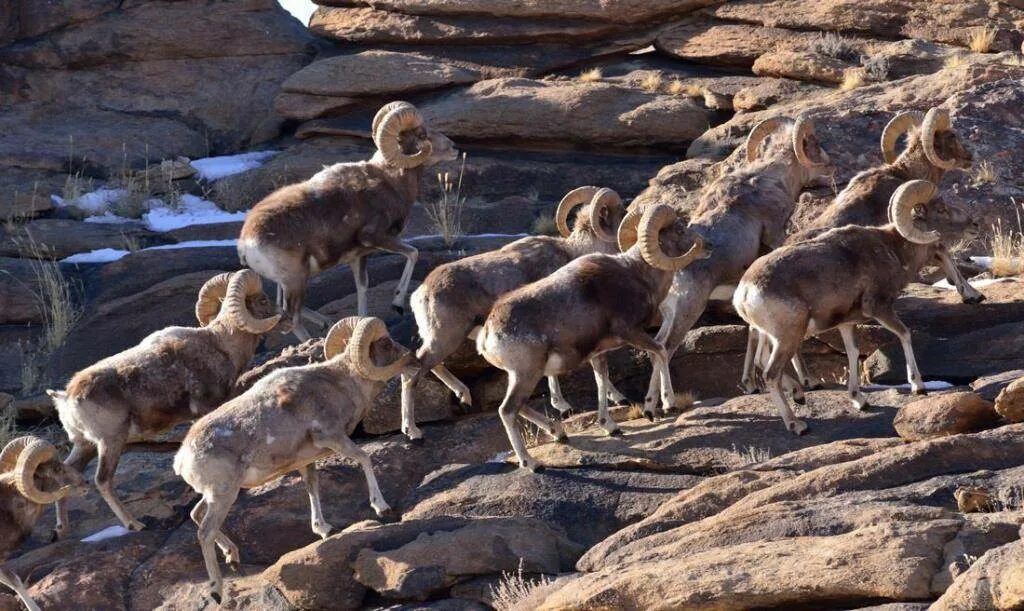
{"x": 137, "y": 133}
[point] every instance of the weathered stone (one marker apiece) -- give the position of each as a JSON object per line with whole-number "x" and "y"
{"x": 377, "y": 73}
{"x": 802, "y": 66}
{"x": 945, "y": 414}
{"x": 434, "y": 562}
{"x": 989, "y": 387}
{"x": 623, "y": 11}
{"x": 370, "y": 26}
{"x": 994, "y": 581}
{"x": 304, "y": 106}
{"x": 1010, "y": 402}
{"x": 59, "y": 238}
{"x": 728, "y": 44}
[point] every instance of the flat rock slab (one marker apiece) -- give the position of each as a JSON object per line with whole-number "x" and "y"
{"x": 946, "y": 414}
{"x": 376, "y": 73}
{"x": 564, "y": 110}
{"x": 621, "y": 11}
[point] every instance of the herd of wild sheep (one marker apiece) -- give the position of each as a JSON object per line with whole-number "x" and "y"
{"x": 613, "y": 274}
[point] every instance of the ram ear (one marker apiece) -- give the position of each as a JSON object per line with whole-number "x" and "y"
{"x": 56, "y": 394}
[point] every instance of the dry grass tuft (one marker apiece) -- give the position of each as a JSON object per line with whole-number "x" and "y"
{"x": 590, "y": 76}
{"x": 545, "y": 225}
{"x": 982, "y": 39}
{"x": 7, "y": 428}
{"x": 651, "y": 82}
{"x": 636, "y": 411}
{"x": 751, "y": 455}
{"x": 514, "y": 591}
{"x": 833, "y": 45}
{"x": 1007, "y": 247}
{"x": 685, "y": 399}
{"x": 446, "y": 212}
{"x": 984, "y": 173}
{"x": 955, "y": 61}
{"x": 1017, "y": 59}
{"x": 678, "y": 87}
{"x": 852, "y": 79}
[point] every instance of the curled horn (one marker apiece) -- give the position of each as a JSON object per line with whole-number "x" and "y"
{"x": 935, "y": 120}
{"x": 605, "y": 199}
{"x": 901, "y": 210}
{"x": 339, "y": 336}
{"x": 627, "y": 235}
{"x": 654, "y": 220}
{"x": 210, "y": 296}
{"x": 384, "y": 110}
{"x": 899, "y": 125}
{"x": 246, "y": 283}
{"x": 368, "y": 330}
{"x": 35, "y": 453}
{"x": 761, "y": 131}
{"x": 390, "y": 128}
{"x": 576, "y": 197}
{"x": 803, "y": 128}
{"x": 9, "y": 455}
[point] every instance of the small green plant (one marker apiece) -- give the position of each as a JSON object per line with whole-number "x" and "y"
{"x": 446, "y": 211}
{"x": 514, "y": 591}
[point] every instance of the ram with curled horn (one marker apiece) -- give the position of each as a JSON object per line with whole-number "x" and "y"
{"x": 743, "y": 212}
{"x": 521, "y": 337}
{"x": 172, "y": 376}
{"x": 845, "y": 277}
{"x": 933, "y": 148}
{"x": 344, "y": 213}
{"x": 303, "y": 414}
{"x": 31, "y": 477}
{"x": 455, "y": 298}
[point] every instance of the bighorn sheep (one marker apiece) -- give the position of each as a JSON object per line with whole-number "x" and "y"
{"x": 172, "y": 376}
{"x": 933, "y": 149}
{"x": 742, "y": 213}
{"x": 605, "y": 301}
{"x": 31, "y": 477}
{"x": 455, "y": 298}
{"x": 286, "y": 422}
{"x": 343, "y": 213}
{"x": 844, "y": 277}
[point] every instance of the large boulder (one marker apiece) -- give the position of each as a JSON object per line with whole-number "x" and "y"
{"x": 1010, "y": 402}
{"x": 947, "y": 414}
{"x": 994, "y": 581}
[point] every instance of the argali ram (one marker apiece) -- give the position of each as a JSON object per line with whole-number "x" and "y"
{"x": 743, "y": 213}
{"x": 31, "y": 477}
{"x": 172, "y": 376}
{"x": 454, "y": 299}
{"x": 344, "y": 213}
{"x": 844, "y": 277}
{"x": 612, "y": 299}
{"x": 286, "y": 422}
{"x": 933, "y": 149}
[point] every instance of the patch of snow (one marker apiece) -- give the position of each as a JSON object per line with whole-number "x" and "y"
{"x": 96, "y": 202}
{"x": 215, "y": 168}
{"x": 501, "y": 457}
{"x": 109, "y": 218}
{"x": 194, "y": 244}
{"x": 108, "y": 255}
{"x": 191, "y": 210}
{"x": 944, "y": 284}
{"x": 111, "y": 532}
{"x": 103, "y": 255}
{"x": 933, "y": 385}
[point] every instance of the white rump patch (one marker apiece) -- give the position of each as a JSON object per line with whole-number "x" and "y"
{"x": 554, "y": 364}
{"x": 723, "y": 292}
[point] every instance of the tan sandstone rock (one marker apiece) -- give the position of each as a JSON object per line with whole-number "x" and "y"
{"x": 624, "y": 11}
{"x": 1010, "y": 402}
{"x": 945, "y": 414}
{"x": 994, "y": 581}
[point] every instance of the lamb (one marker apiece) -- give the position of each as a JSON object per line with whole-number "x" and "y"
{"x": 286, "y": 422}
{"x": 343, "y": 213}
{"x": 455, "y": 298}
{"x": 174, "y": 375}
{"x": 933, "y": 149}
{"x": 31, "y": 477}
{"x": 743, "y": 213}
{"x": 606, "y": 301}
{"x": 844, "y": 277}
